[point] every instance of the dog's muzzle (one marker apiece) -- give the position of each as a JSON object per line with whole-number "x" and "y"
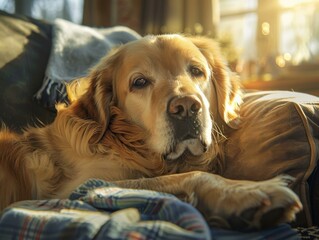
{"x": 184, "y": 115}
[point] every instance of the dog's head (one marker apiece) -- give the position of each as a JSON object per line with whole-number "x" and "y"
{"x": 175, "y": 89}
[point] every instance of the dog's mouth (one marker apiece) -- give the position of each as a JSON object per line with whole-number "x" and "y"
{"x": 192, "y": 146}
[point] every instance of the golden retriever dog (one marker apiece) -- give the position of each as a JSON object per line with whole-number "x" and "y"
{"x": 153, "y": 114}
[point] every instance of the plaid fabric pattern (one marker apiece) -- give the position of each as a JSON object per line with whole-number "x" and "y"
{"x": 100, "y": 210}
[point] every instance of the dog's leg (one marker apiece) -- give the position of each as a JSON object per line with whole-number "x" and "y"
{"x": 229, "y": 203}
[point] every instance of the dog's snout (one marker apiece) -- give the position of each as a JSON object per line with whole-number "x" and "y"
{"x": 184, "y": 106}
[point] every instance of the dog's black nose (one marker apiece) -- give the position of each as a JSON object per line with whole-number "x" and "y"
{"x": 184, "y": 114}
{"x": 184, "y": 106}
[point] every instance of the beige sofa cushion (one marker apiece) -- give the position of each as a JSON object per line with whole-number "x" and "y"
{"x": 279, "y": 135}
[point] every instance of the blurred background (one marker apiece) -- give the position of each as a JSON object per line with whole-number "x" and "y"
{"x": 271, "y": 44}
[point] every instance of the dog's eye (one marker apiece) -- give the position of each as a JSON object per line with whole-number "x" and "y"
{"x": 140, "y": 83}
{"x": 196, "y": 72}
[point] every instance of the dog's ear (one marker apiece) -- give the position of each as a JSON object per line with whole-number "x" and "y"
{"x": 94, "y": 103}
{"x": 226, "y": 87}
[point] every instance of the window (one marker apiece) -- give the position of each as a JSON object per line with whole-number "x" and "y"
{"x": 265, "y": 39}
{"x": 49, "y": 10}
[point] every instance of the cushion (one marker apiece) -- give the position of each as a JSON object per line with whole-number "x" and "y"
{"x": 24, "y": 51}
{"x": 279, "y": 134}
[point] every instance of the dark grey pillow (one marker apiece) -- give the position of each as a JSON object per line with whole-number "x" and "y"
{"x": 24, "y": 51}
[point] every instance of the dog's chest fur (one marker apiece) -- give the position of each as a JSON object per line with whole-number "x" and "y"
{"x": 54, "y": 177}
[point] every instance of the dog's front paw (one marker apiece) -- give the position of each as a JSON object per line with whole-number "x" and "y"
{"x": 279, "y": 205}
{"x": 247, "y": 205}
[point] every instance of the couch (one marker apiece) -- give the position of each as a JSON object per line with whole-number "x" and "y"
{"x": 283, "y": 126}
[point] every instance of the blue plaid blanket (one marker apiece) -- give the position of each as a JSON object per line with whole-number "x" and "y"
{"x": 100, "y": 210}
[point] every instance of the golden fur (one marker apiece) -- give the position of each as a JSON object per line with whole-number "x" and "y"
{"x": 126, "y": 124}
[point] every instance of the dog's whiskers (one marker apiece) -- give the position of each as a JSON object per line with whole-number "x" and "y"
{"x": 217, "y": 133}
